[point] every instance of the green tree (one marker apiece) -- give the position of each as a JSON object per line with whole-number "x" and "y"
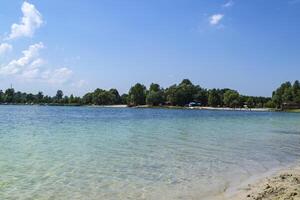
{"x": 270, "y": 104}
{"x": 287, "y": 93}
{"x": 185, "y": 92}
{"x": 296, "y": 92}
{"x": 40, "y": 97}
{"x": 214, "y": 98}
{"x": 155, "y": 96}
{"x": 30, "y": 98}
{"x": 154, "y": 87}
{"x": 102, "y": 97}
{"x": 171, "y": 94}
{"x": 71, "y": 99}
{"x": 2, "y": 97}
{"x": 287, "y": 96}
{"x": 182, "y": 94}
{"x": 186, "y": 82}
{"x": 116, "y": 99}
{"x": 137, "y": 95}
{"x": 47, "y": 99}
{"x": 9, "y": 95}
{"x": 124, "y": 99}
{"x": 250, "y": 102}
{"x": 65, "y": 100}
{"x": 282, "y": 94}
{"x": 201, "y": 97}
{"x": 87, "y": 98}
{"x": 59, "y": 95}
{"x": 231, "y": 98}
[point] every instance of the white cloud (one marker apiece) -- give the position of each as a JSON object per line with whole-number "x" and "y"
{"x": 30, "y": 74}
{"x": 4, "y": 47}
{"x": 30, "y": 67}
{"x": 32, "y": 71}
{"x": 37, "y": 63}
{"x": 31, "y": 20}
{"x": 28, "y": 60}
{"x": 230, "y": 3}
{"x": 215, "y": 19}
{"x": 57, "y": 76}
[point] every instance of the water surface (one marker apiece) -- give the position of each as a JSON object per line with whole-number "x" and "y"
{"x": 121, "y": 153}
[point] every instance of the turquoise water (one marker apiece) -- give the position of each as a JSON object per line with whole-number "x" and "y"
{"x": 120, "y": 153}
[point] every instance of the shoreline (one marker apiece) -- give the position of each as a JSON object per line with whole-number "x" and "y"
{"x": 159, "y": 107}
{"x": 277, "y": 184}
{"x": 209, "y": 108}
{"x": 106, "y": 106}
{"x": 162, "y": 107}
{"x": 233, "y": 109}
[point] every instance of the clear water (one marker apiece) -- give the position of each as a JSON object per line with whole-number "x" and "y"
{"x": 119, "y": 153}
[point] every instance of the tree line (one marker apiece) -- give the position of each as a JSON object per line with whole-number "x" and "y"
{"x": 181, "y": 94}
{"x": 186, "y": 92}
{"x": 287, "y": 95}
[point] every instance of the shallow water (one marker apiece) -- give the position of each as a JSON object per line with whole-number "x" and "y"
{"x": 121, "y": 153}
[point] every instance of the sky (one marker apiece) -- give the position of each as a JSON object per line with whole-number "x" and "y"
{"x": 80, "y": 45}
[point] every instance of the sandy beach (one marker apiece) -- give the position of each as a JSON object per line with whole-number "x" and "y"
{"x": 107, "y": 106}
{"x": 204, "y": 108}
{"x": 232, "y": 109}
{"x": 281, "y": 185}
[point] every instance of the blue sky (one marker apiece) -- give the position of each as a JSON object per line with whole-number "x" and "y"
{"x": 77, "y": 46}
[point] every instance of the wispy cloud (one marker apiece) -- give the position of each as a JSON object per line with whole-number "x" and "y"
{"x": 230, "y": 3}
{"x": 31, "y": 20}
{"x": 4, "y": 48}
{"x": 215, "y": 19}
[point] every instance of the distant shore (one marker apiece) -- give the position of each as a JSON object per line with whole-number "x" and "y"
{"x": 209, "y": 108}
{"x": 197, "y": 108}
{"x": 161, "y": 107}
{"x": 106, "y": 106}
{"x": 280, "y": 185}
{"x": 233, "y": 109}
{"x": 191, "y": 108}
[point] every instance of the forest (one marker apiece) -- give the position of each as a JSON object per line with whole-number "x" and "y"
{"x": 182, "y": 94}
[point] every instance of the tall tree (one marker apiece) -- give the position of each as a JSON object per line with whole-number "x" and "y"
{"x": 40, "y": 97}
{"x": 155, "y": 96}
{"x": 116, "y": 99}
{"x": 231, "y": 98}
{"x": 296, "y": 92}
{"x": 201, "y": 96}
{"x": 9, "y": 95}
{"x": 214, "y": 98}
{"x": 59, "y": 95}
{"x": 124, "y": 99}
{"x": 137, "y": 95}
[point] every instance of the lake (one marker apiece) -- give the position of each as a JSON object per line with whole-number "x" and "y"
{"x": 127, "y": 153}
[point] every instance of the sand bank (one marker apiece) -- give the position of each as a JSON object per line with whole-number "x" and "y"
{"x": 233, "y": 109}
{"x": 281, "y": 185}
{"x": 108, "y": 106}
